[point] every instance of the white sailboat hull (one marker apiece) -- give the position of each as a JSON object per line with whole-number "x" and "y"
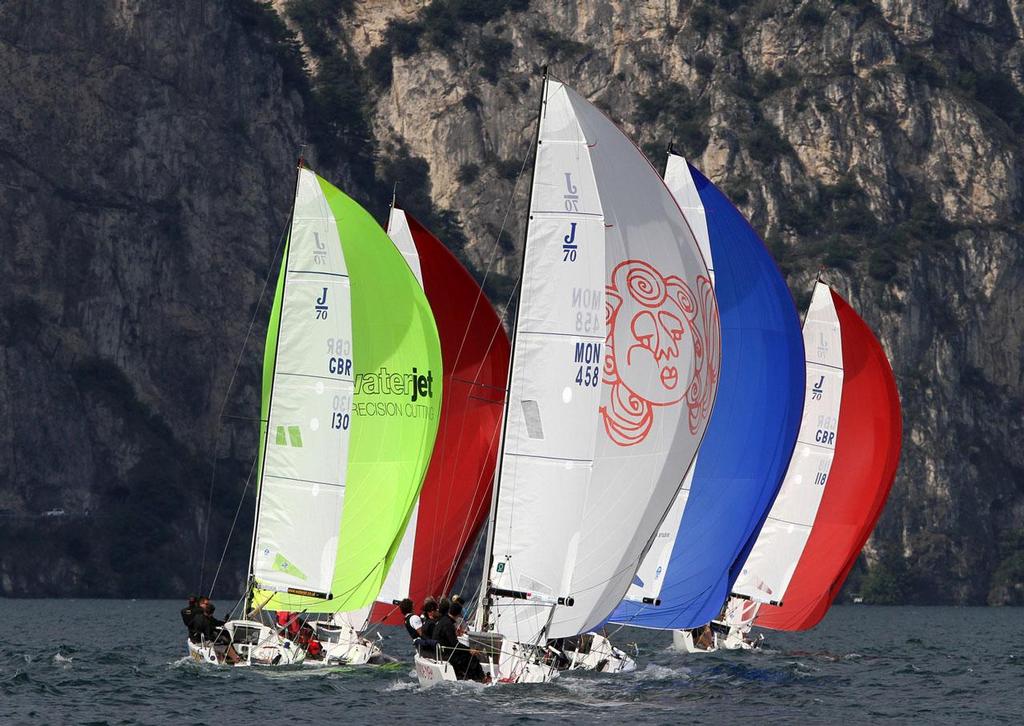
{"x": 683, "y": 640}
{"x": 512, "y": 665}
{"x": 598, "y": 654}
{"x": 344, "y": 645}
{"x": 255, "y": 645}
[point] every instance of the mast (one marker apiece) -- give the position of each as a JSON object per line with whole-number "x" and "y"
{"x": 483, "y": 608}
{"x": 270, "y": 399}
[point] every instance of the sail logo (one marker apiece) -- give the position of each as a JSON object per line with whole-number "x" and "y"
{"x": 817, "y": 389}
{"x": 416, "y": 385}
{"x": 661, "y": 350}
{"x": 572, "y": 195}
{"x": 319, "y": 251}
{"x": 823, "y": 346}
{"x": 288, "y": 436}
{"x": 569, "y": 244}
{"x": 321, "y": 306}
{"x": 589, "y": 307}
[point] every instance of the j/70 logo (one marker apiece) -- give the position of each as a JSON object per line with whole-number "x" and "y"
{"x": 662, "y": 348}
{"x": 321, "y": 306}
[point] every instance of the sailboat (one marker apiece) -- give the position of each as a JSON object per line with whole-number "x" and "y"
{"x": 688, "y": 571}
{"x": 837, "y": 482}
{"x": 453, "y": 502}
{"x": 613, "y": 375}
{"x": 351, "y": 397}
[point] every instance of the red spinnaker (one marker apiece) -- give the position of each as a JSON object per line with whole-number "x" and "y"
{"x": 456, "y": 493}
{"x": 868, "y": 442}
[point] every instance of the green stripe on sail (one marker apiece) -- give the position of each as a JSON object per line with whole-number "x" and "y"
{"x": 397, "y": 360}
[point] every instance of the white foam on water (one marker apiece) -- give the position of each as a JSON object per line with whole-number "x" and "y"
{"x": 655, "y": 672}
{"x": 399, "y": 686}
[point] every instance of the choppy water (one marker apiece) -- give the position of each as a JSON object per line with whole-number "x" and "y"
{"x": 115, "y": 662}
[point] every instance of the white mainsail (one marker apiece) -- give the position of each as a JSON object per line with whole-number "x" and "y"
{"x": 646, "y": 587}
{"x": 774, "y": 557}
{"x": 613, "y": 377}
{"x": 302, "y": 482}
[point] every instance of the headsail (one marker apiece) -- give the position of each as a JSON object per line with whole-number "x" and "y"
{"x": 352, "y": 389}
{"x": 687, "y": 574}
{"x": 770, "y": 565}
{"x": 613, "y": 377}
{"x": 453, "y": 502}
{"x": 867, "y": 449}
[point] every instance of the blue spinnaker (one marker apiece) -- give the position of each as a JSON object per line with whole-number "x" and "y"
{"x": 753, "y": 427}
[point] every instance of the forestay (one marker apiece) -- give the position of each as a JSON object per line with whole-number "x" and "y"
{"x": 614, "y": 376}
{"x": 345, "y": 461}
{"x": 752, "y": 431}
{"x": 772, "y": 561}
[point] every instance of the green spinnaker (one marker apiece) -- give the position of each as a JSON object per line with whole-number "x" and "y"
{"x": 396, "y": 357}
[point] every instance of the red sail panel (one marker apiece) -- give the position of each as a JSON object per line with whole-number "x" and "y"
{"x": 868, "y": 441}
{"x": 456, "y": 493}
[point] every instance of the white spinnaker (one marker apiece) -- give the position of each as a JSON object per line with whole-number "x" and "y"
{"x": 588, "y": 472}
{"x": 302, "y": 483}
{"x": 399, "y": 577}
{"x": 646, "y": 587}
{"x": 774, "y": 557}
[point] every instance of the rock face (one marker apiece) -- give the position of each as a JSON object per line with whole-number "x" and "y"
{"x": 146, "y": 164}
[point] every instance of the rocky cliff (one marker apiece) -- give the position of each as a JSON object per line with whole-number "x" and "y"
{"x": 146, "y": 160}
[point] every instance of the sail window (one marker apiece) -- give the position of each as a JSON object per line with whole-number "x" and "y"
{"x": 531, "y": 415}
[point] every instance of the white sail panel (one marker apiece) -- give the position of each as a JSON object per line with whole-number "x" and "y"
{"x": 302, "y": 485}
{"x": 579, "y": 502}
{"x": 552, "y": 418}
{"x": 774, "y": 557}
{"x": 396, "y": 584}
{"x": 398, "y": 231}
{"x": 646, "y": 586}
{"x": 680, "y": 182}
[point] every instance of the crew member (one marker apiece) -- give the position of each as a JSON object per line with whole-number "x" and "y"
{"x": 413, "y": 622}
{"x": 189, "y": 611}
{"x": 464, "y": 660}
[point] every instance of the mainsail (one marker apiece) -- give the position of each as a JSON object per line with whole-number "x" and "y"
{"x": 455, "y": 496}
{"x": 867, "y": 448}
{"x": 613, "y": 378}
{"x": 772, "y": 561}
{"x": 351, "y": 395}
{"x": 687, "y": 573}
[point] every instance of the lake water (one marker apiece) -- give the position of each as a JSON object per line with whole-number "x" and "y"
{"x": 117, "y": 662}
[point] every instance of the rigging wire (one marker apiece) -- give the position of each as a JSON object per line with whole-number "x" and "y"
{"x": 241, "y": 501}
{"x": 224, "y": 403}
{"x": 491, "y": 259}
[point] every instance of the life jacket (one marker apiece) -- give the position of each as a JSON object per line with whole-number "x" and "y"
{"x": 408, "y": 627}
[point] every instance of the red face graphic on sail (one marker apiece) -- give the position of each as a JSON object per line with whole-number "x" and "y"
{"x": 658, "y": 347}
